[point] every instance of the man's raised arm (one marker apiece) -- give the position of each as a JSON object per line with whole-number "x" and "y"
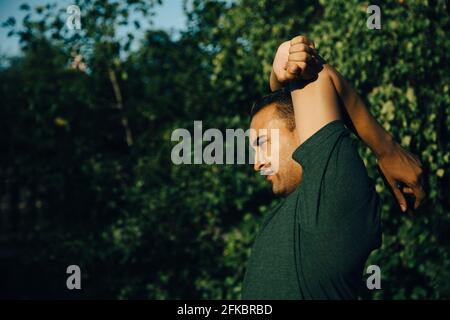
{"x": 298, "y": 60}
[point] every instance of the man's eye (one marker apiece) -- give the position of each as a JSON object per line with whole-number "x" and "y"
{"x": 262, "y": 141}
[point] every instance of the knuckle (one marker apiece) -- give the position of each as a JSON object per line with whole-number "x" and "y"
{"x": 289, "y": 76}
{"x": 295, "y": 56}
{"x": 289, "y": 66}
{"x": 297, "y": 48}
{"x": 298, "y": 55}
{"x": 298, "y": 39}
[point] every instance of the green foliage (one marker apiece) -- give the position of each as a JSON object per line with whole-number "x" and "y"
{"x": 77, "y": 190}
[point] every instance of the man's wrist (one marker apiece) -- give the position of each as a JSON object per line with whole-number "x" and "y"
{"x": 274, "y": 83}
{"x": 384, "y": 147}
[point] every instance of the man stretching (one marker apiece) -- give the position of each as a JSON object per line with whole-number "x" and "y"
{"x": 315, "y": 242}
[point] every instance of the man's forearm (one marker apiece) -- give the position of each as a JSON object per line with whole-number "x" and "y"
{"x": 366, "y": 126}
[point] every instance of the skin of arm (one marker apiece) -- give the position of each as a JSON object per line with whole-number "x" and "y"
{"x": 315, "y": 104}
{"x": 294, "y": 65}
{"x": 367, "y": 128}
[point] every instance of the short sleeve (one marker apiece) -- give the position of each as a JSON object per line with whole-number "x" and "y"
{"x": 335, "y": 191}
{"x": 337, "y": 215}
{"x": 312, "y": 150}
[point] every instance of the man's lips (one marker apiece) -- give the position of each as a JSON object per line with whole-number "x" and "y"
{"x": 269, "y": 178}
{"x": 266, "y": 172}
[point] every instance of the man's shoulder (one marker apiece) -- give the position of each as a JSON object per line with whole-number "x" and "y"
{"x": 320, "y": 143}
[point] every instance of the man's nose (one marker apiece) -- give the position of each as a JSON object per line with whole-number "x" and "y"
{"x": 259, "y": 162}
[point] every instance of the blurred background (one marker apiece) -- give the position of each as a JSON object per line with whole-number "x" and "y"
{"x": 86, "y": 118}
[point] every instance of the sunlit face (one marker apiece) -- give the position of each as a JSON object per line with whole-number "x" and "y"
{"x": 287, "y": 177}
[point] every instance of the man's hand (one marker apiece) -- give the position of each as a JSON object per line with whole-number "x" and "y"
{"x": 400, "y": 166}
{"x": 295, "y": 59}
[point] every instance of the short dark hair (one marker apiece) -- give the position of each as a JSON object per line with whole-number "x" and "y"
{"x": 283, "y": 101}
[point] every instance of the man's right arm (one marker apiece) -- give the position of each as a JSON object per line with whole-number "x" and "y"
{"x": 396, "y": 163}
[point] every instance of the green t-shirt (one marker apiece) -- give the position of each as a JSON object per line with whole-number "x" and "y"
{"x": 315, "y": 242}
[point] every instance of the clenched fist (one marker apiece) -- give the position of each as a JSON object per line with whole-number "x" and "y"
{"x": 294, "y": 59}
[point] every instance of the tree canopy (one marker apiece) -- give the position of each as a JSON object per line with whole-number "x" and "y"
{"x": 87, "y": 117}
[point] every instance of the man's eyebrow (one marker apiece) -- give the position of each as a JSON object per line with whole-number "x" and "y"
{"x": 257, "y": 141}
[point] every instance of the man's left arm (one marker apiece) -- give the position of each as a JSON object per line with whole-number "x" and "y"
{"x": 396, "y": 163}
